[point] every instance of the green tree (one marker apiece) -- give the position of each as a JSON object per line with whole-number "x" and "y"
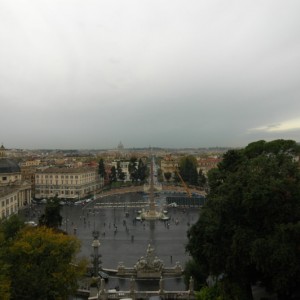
{"x": 101, "y": 168}
{"x": 51, "y": 217}
{"x": 168, "y": 176}
{"x": 141, "y": 171}
{"x": 121, "y": 174}
{"x": 191, "y": 269}
{"x": 201, "y": 179}
{"x": 132, "y": 168}
{"x": 11, "y": 226}
{"x": 249, "y": 228}
{"x": 113, "y": 174}
{"x": 188, "y": 169}
{"x": 43, "y": 264}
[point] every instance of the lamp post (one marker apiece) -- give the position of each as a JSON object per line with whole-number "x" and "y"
{"x": 96, "y": 256}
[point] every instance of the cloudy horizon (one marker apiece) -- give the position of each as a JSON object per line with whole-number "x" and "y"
{"x": 88, "y": 74}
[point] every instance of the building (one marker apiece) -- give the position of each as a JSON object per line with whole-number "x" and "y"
{"x": 168, "y": 165}
{"x": 28, "y": 169}
{"x": 124, "y": 165}
{"x": 67, "y": 183}
{"x": 207, "y": 163}
{"x": 15, "y": 193}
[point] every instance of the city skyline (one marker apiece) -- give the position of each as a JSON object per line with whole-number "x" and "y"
{"x": 181, "y": 74}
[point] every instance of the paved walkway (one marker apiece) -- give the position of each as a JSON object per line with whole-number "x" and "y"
{"x": 123, "y": 239}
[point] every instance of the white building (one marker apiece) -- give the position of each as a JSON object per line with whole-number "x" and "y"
{"x": 124, "y": 166}
{"x": 67, "y": 183}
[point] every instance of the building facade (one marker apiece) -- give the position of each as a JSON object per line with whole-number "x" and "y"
{"x": 67, "y": 183}
{"x": 124, "y": 165}
{"x": 15, "y": 193}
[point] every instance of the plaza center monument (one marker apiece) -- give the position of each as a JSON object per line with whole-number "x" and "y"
{"x": 152, "y": 213}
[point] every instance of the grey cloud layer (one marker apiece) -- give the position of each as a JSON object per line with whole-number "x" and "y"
{"x": 87, "y": 74}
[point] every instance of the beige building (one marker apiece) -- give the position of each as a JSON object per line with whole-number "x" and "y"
{"x": 168, "y": 165}
{"x": 15, "y": 193}
{"x": 67, "y": 183}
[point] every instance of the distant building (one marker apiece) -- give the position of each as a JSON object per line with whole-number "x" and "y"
{"x": 15, "y": 193}
{"x": 207, "y": 163}
{"x": 28, "y": 169}
{"x": 124, "y": 167}
{"x": 168, "y": 165}
{"x": 67, "y": 183}
{"x": 120, "y": 147}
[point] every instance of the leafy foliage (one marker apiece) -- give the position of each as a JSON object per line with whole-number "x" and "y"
{"x": 188, "y": 169}
{"x": 192, "y": 269}
{"x": 248, "y": 229}
{"x": 141, "y": 171}
{"x": 168, "y": 175}
{"x": 132, "y": 168}
{"x": 113, "y": 174}
{"x": 51, "y": 217}
{"x": 101, "y": 168}
{"x": 120, "y": 173}
{"x": 41, "y": 264}
{"x": 137, "y": 169}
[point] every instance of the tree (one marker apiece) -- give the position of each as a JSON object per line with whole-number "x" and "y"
{"x": 168, "y": 176}
{"x": 188, "y": 169}
{"x": 132, "y": 168}
{"x": 11, "y": 226}
{"x": 113, "y": 174}
{"x": 51, "y": 217}
{"x": 201, "y": 179}
{"x": 249, "y": 228}
{"x": 101, "y": 168}
{"x": 43, "y": 264}
{"x": 121, "y": 174}
{"x": 141, "y": 171}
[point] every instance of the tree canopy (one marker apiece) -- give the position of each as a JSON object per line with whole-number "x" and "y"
{"x": 249, "y": 228}
{"x": 51, "y": 217}
{"x": 188, "y": 169}
{"x": 137, "y": 169}
{"x": 39, "y": 263}
{"x": 101, "y": 168}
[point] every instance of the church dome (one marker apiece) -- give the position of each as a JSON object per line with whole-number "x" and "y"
{"x": 8, "y": 166}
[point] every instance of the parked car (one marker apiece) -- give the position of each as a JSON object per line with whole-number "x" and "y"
{"x": 31, "y": 223}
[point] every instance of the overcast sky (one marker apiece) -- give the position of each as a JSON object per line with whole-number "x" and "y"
{"x": 178, "y": 73}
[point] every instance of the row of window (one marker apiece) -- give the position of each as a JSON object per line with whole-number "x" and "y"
{"x": 65, "y": 176}
{"x": 9, "y": 211}
{"x": 8, "y": 200}
{"x": 57, "y": 182}
{"x": 4, "y": 178}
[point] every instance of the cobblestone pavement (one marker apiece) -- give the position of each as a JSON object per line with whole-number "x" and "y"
{"x": 123, "y": 239}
